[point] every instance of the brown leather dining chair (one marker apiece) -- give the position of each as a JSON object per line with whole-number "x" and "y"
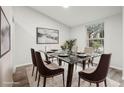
{"x": 34, "y": 63}
{"x": 46, "y": 72}
{"x": 100, "y": 74}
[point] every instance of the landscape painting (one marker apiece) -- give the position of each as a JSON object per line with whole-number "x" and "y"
{"x": 4, "y": 34}
{"x": 47, "y": 36}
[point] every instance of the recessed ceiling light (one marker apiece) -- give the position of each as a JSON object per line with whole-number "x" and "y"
{"x": 65, "y": 6}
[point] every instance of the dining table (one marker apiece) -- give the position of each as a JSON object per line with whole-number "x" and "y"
{"x": 71, "y": 59}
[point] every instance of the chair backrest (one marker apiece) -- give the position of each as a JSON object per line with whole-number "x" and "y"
{"x": 43, "y": 70}
{"x": 103, "y": 67}
{"x": 88, "y": 50}
{"x": 33, "y": 57}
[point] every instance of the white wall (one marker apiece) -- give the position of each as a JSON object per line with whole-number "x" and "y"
{"x": 26, "y": 21}
{"x": 80, "y": 34}
{"x": 6, "y": 67}
{"x": 112, "y": 39}
{"x": 123, "y": 40}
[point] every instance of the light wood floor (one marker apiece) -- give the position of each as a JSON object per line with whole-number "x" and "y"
{"x": 22, "y": 81}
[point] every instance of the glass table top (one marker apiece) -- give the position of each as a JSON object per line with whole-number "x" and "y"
{"x": 73, "y": 58}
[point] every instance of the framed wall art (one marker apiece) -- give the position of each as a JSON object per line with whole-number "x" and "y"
{"x": 4, "y": 34}
{"x": 47, "y": 36}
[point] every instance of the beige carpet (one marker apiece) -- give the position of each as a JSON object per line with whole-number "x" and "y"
{"x": 57, "y": 80}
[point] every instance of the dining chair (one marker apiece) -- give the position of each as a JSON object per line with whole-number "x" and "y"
{"x": 48, "y": 61}
{"x": 50, "y": 58}
{"x": 89, "y": 50}
{"x": 46, "y": 72}
{"x": 100, "y": 74}
{"x": 34, "y": 63}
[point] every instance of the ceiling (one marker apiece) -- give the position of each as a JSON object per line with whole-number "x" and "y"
{"x": 76, "y": 15}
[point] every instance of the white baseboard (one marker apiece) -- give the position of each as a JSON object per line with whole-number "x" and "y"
{"x": 22, "y": 65}
{"x": 14, "y": 68}
{"x": 114, "y": 67}
{"x": 118, "y": 68}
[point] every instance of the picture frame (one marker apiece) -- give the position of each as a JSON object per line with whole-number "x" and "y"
{"x": 47, "y": 36}
{"x": 5, "y": 34}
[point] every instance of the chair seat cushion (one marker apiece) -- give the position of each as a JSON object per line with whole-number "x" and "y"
{"x": 89, "y": 70}
{"x": 52, "y": 66}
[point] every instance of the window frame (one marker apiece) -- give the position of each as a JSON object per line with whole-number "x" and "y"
{"x": 102, "y": 38}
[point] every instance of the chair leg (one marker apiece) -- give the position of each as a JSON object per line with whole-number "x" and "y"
{"x": 63, "y": 80}
{"x": 88, "y": 63}
{"x": 92, "y": 61}
{"x": 84, "y": 64}
{"x": 79, "y": 81}
{"x": 36, "y": 74}
{"x": 44, "y": 82}
{"x": 38, "y": 80}
{"x": 90, "y": 83}
{"x": 97, "y": 84}
{"x": 33, "y": 70}
{"x": 60, "y": 62}
{"x": 105, "y": 83}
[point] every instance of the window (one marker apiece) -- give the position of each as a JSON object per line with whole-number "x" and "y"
{"x": 95, "y": 34}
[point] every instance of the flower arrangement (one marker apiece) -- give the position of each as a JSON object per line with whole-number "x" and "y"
{"x": 68, "y": 45}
